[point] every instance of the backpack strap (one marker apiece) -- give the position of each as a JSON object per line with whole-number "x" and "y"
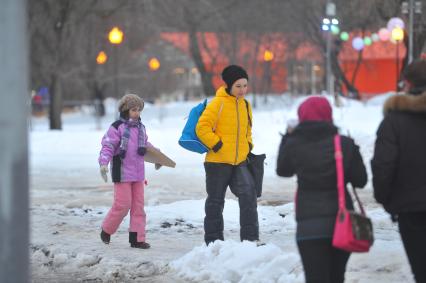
{"x": 218, "y": 115}
{"x": 248, "y": 112}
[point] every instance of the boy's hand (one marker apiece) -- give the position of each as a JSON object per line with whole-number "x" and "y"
{"x": 104, "y": 172}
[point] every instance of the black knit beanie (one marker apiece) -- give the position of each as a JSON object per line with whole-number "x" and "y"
{"x": 233, "y": 73}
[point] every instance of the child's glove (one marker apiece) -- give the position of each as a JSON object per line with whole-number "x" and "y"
{"x": 104, "y": 171}
{"x": 217, "y": 146}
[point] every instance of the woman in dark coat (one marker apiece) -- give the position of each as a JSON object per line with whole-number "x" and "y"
{"x": 308, "y": 152}
{"x": 399, "y": 165}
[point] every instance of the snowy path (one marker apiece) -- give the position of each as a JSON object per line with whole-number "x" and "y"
{"x": 66, "y": 246}
{"x": 69, "y": 201}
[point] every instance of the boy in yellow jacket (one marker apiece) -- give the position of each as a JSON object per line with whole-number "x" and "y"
{"x": 225, "y": 127}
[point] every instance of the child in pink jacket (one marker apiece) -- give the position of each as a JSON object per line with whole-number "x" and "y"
{"x": 124, "y": 146}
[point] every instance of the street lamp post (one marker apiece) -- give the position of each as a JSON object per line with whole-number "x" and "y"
{"x": 329, "y": 23}
{"x": 101, "y": 59}
{"x": 268, "y": 56}
{"x": 412, "y": 7}
{"x": 154, "y": 65}
{"x": 398, "y": 36}
{"x": 115, "y": 37}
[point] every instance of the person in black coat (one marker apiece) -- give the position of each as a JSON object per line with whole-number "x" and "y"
{"x": 399, "y": 165}
{"x": 308, "y": 152}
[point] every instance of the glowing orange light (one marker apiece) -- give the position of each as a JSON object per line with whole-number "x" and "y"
{"x": 101, "y": 58}
{"x": 154, "y": 64}
{"x": 268, "y": 55}
{"x": 115, "y": 36}
{"x": 397, "y": 34}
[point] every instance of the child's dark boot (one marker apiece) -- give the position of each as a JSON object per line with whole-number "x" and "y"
{"x": 105, "y": 237}
{"x": 134, "y": 242}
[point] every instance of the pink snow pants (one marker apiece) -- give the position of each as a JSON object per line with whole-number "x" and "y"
{"x": 127, "y": 196}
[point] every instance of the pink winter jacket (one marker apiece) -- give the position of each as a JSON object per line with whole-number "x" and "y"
{"x": 132, "y": 167}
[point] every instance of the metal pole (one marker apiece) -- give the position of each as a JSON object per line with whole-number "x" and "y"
{"x": 397, "y": 65}
{"x": 115, "y": 70}
{"x": 14, "y": 219}
{"x": 328, "y": 70}
{"x": 313, "y": 79}
{"x": 116, "y": 79}
{"x": 410, "y": 30}
{"x": 330, "y": 12}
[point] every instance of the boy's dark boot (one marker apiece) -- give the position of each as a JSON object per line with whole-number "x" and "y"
{"x": 133, "y": 240}
{"x": 105, "y": 237}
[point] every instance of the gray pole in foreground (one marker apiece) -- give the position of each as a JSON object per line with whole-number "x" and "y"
{"x": 410, "y": 31}
{"x": 330, "y": 12}
{"x": 14, "y": 220}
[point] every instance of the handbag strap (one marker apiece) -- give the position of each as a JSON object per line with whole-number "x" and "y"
{"x": 339, "y": 172}
{"x": 338, "y": 155}
{"x": 359, "y": 202}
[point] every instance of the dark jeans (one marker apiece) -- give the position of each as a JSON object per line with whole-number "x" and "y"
{"x": 218, "y": 177}
{"x": 412, "y": 227}
{"x": 322, "y": 262}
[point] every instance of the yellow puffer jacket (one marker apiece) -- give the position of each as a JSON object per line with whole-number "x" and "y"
{"x": 225, "y": 119}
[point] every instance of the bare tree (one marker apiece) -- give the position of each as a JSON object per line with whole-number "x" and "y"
{"x": 356, "y": 15}
{"x": 387, "y": 9}
{"x": 195, "y": 18}
{"x": 65, "y": 37}
{"x": 53, "y": 27}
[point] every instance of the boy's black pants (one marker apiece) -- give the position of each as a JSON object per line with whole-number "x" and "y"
{"x": 412, "y": 227}
{"x": 218, "y": 177}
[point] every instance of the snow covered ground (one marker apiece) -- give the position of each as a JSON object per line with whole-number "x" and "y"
{"x": 69, "y": 201}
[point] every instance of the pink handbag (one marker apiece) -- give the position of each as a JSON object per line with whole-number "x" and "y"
{"x": 353, "y": 232}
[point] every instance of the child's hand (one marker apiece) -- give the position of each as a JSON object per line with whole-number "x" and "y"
{"x": 104, "y": 171}
{"x": 157, "y": 166}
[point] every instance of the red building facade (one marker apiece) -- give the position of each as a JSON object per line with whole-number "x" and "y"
{"x": 280, "y": 63}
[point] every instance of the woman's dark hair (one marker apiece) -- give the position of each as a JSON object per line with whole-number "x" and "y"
{"x": 124, "y": 114}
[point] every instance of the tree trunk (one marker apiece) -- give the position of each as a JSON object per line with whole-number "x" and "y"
{"x": 206, "y": 77}
{"x": 340, "y": 76}
{"x": 55, "y": 106}
{"x": 358, "y": 64}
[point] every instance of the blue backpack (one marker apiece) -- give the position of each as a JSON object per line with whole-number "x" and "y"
{"x": 189, "y": 139}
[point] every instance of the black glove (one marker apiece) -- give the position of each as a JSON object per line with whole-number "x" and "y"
{"x": 122, "y": 154}
{"x": 217, "y": 146}
{"x": 141, "y": 151}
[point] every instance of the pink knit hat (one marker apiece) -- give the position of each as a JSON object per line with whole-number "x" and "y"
{"x": 315, "y": 108}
